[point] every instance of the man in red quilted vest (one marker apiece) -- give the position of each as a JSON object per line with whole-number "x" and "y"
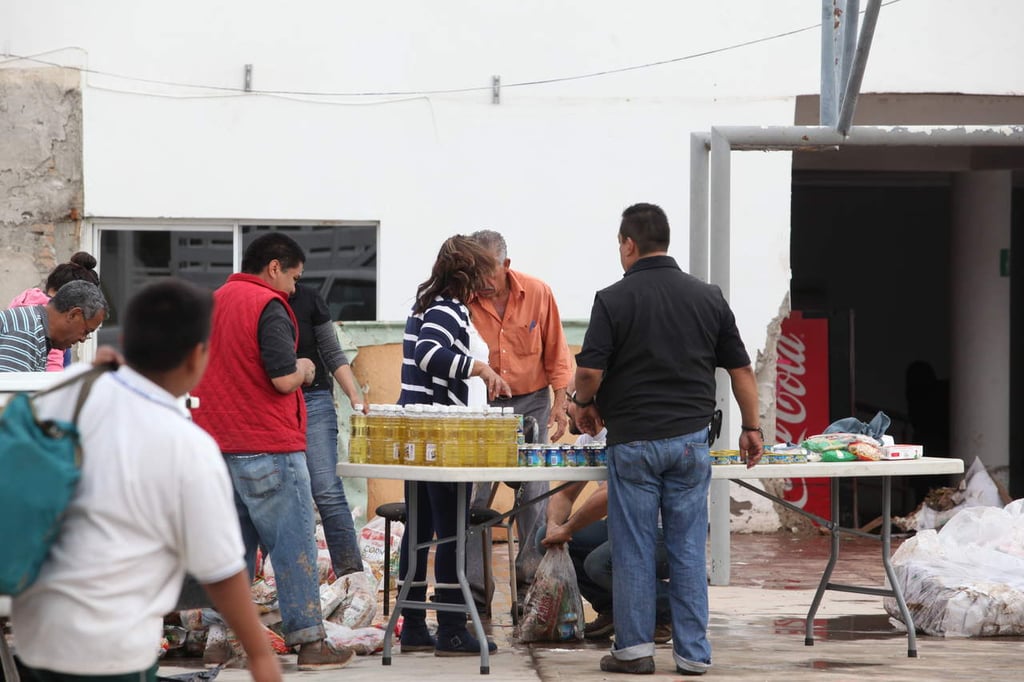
{"x": 251, "y": 403}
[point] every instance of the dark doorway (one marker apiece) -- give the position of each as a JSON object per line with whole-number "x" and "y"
{"x": 872, "y": 249}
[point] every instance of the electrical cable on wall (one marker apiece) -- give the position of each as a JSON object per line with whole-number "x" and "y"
{"x": 225, "y": 91}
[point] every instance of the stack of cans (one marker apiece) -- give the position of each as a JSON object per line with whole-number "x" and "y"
{"x": 555, "y": 455}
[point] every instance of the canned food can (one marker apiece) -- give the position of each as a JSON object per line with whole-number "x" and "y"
{"x": 600, "y": 456}
{"x": 534, "y": 457}
{"x": 569, "y": 455}
{"x": 554, "y": 456}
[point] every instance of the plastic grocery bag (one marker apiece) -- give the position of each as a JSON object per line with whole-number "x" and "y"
{"x": 371, "y": 546}
{"x": 967, "y": 579}
{"x": 553, "y": 607}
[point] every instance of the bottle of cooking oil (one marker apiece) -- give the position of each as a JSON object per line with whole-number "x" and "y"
{"x": 413, "y": 442}
{"x": 357, "y": 444}
{"x": 466, "y": 436}
{"x": 398, "y": 433}
{"x": 447, "y": 448}
{"x": 494, "y": 455}
{"x": 478, "y": 415}
{"x": 375, "y": 435}
{"x": 431, "y": 435}
{"x": 510, "y": 425}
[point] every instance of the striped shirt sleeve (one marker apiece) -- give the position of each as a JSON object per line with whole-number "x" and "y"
{"x": 439, "y": 350}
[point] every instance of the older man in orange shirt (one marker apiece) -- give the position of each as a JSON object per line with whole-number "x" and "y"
{"x": 519, "y": 320}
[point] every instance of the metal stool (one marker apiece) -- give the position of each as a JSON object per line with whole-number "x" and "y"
{"x": 391, "y": 511}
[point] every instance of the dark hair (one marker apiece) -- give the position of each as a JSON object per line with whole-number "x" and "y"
{"x": 79, "y": 294}
{"x": 272, "y": 246}
{"x": 164, "y": 322}
{"x": 81, "y": 266}
{"x": 647, "y": 225}
{"x": 459, "y": 271}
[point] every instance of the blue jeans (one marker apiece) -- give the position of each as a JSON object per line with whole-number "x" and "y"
{"x": 671, "y": 475}
{"x": 328, "y": 492}
{"x": 275, "y": 510}
{"x": 591, "y": 555}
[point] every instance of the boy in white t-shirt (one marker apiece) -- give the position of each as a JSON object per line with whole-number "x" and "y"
{"x": 153, "y": 502}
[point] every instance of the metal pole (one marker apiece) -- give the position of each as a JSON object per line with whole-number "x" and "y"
{"x": 828, "y": 108}
{"x": 699, "y": 239}
{"x": 850, "y": 19}
{"x": 852, "y": 92}
{"x": 719, "y": 274}
{"x": 815, "y": 138}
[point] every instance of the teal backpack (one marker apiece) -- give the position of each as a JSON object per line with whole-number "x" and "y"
{"x": 40, "y": 463}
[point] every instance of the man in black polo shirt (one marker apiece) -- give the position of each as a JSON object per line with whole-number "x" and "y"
{"x": 652, "y": 346}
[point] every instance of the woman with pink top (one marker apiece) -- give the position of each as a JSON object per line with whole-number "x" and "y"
{"x": 81, "y": 266}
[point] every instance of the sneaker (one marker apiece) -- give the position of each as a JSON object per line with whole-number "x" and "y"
{"x": 323, "y": 655}
{"x": 636, "y": 666}
{"x": 461, "y": 644}
{"x": 416, "y": 638}
{"x": 601, "y": 627}
{"x": 663, "y": 633}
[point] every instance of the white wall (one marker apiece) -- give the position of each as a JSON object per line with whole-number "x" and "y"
{"x": 552, "y": 166}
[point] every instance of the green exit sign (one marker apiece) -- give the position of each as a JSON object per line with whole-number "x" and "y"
{"x": 1004, "y": 262}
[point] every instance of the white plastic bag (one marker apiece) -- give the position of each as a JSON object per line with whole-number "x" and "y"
{"x": 371, "y": 546}
{"x": 966, "y": 580}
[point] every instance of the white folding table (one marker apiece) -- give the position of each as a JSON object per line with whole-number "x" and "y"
{"x": 463, "y": 476}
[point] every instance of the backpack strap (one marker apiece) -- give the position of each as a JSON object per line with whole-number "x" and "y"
{"x": 87, "y": 378}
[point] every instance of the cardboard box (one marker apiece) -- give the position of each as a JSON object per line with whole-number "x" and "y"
{"x": 902, "y": 451}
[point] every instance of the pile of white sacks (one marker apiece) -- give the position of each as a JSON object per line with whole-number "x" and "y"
{"x": 966, "y": 579}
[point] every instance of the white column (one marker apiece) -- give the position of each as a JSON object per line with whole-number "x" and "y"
{"x": 980, "y": 318}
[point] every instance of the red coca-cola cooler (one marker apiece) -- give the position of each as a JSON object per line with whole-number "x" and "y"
{"x": 802, "y": 401}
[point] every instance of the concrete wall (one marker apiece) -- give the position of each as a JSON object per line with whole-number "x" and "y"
{"x": 41, "y": 189}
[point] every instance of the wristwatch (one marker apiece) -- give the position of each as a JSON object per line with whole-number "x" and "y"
{"x": 577, "y": 403}
{"x": 754, "y": 428}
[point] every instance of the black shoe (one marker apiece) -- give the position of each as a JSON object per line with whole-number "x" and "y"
{"x": 416, "y": 638}
{"x": 636, "y": 666}
{"x": 461, "y": 643}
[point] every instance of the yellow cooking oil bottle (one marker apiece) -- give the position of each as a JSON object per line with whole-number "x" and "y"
{"x": 510, "y": 425}
{"x": 466, "y": 436}
{"x": 413, "y": 445}
{"x": 448, "y": 418}
{"x": 494, "y": 456}
{"x": 431, "y": 435}
{"x": 375, "y": 435}
{"x": 357, "y": 446}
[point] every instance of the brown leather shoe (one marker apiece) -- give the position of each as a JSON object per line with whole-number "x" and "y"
{"x": 663, "y": 633}
{"x": 323, "y": 656}
{"x": 637, "y": 666}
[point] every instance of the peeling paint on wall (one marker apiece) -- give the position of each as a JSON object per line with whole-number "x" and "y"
{"x": 41, "y": 186}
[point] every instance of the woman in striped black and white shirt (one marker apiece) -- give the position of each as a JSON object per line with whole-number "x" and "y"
{"x": 444, "y": 362}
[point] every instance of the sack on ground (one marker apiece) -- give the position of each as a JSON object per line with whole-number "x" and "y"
{"x": 371, "y": 546}
{"x": 356, "y": 605}
{"x": 553, "y": 607}
{"x": 364, "y": 641}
